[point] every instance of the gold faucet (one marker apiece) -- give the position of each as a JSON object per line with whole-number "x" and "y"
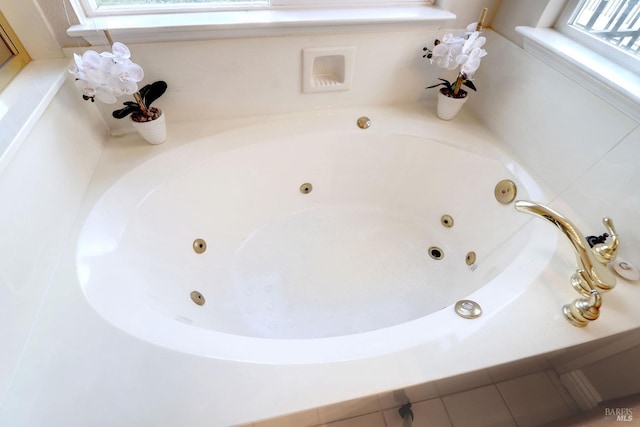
{"x": 592, "y": 275}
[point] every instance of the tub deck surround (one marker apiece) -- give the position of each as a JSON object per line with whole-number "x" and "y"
{"x": 79, "y": 369}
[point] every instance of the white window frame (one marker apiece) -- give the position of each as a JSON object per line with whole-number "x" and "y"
{"x": 282, "y": 17}
{"x": 89, "y": 8}
{"x": 592, "y": 42}
{"x": 613, "y": 82}
{"x": 19, "y": 57}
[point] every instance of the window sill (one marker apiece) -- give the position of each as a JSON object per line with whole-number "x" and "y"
{"x": 611, "y": 82}
{"x": 24, "y": 100}
{"x": 252, "y": 23}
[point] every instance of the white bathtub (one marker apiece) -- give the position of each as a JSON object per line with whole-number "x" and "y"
{"x": 341, "y": 273}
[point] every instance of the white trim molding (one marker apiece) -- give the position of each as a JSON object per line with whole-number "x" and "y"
{"x": 25, "y": 99}
{"x": 253, "y": 23}
{"x": 581, "y": 389}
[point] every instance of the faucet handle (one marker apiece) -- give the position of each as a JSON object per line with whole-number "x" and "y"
{"x": 583, "y": 310}
{"x": 605, "y": 253}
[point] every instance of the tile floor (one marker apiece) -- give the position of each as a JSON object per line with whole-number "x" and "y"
{"x": 605, "y": 414}
{"x": 526, "y": 393}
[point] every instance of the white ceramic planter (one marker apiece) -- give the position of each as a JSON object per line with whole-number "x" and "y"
{"x": 154, "y": 131}
{"x": 449, "y": 107}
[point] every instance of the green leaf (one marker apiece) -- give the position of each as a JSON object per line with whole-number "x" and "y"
{"x": 470, "y": 85}
{"x": 445, "y": 83}
{"x": 152, "y": 92}
{"x": 124, "y": 112}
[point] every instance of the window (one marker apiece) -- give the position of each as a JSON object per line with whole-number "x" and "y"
{"x": 610, "y": 27}
{"x": 142, "y": 23}
{"x": 119, "y": 7}
{"x": 13, "y": 56}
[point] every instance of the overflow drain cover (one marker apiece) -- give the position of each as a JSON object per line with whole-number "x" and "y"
{"x": 468, "y": 309}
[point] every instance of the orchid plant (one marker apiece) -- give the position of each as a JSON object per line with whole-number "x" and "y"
{"x": 463, "y": 53}
{"x": 108, "y": 75}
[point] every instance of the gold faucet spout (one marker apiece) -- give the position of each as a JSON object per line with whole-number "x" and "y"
{"x": 594, "y": 274}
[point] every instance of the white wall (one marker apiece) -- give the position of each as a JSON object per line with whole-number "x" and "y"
{"x": 249, "y": 76}
{"x": 581, "y": 147}
{"x": 584, "y": 149}
{"x": 41, "y": 189}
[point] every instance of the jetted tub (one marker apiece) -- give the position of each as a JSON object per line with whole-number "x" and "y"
{"x": 309, "y": 242}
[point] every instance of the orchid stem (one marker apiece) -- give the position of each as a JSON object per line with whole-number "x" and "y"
{"x": 483, "y": 16}
{"x": 138, "y": 99}
{"x": 458, "y": 85}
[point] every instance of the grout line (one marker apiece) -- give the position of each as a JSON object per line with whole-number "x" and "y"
{"x": 446, "y": 411}
{"x": 513, "y": 417}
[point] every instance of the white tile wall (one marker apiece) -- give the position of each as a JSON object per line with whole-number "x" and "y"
{"x": 248, "y": 76}
{"x": 348, "y": 409}
{"x": 518, "y": 368}
{"x": 463, "y": 382}
{"x": 610, "y": 188}
{"x": 41, "y": 190}
{"x": 556, "y": 127}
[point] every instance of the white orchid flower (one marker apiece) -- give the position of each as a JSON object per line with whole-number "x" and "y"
{"x": 472, "y": 27}
{"x": 101, "y": 93}
{"x": 90, "y": 59}
{"x": 470, "y": 66}
{"x": 100, "y": 72}
{"x": 451, "y": 39}
{"x": 474, "y": 41}
{"x": 120, "y": 53}
{"x": 128, "y": 72}
{"x": 122, "y": 82}
{"x": 120, "y": 88}
{"x": 462, "y": 53}
{"x": 78, "y": 68}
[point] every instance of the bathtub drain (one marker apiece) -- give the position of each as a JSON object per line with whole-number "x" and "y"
{"x": 306, "y": 188}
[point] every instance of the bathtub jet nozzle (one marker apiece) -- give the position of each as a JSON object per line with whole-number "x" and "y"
{"x": 363, "y": 122}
